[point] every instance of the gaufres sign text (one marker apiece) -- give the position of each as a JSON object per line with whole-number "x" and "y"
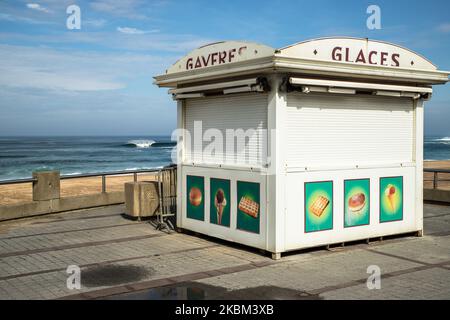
{"x": 214, "y": 58}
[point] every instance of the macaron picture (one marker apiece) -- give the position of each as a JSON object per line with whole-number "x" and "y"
{"x": 357, "y": 202}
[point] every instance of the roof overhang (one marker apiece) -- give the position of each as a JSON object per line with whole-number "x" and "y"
{"x": 341, "y": 58}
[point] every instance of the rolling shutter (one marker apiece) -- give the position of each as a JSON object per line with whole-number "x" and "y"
{"x": 244, "y": 112}
{"x": 331, "y": 130}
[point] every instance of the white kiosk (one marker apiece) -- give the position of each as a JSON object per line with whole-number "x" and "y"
{"x": 316, "y": 143}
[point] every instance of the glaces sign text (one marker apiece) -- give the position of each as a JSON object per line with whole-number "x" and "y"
{"x": 373, "y": 57}
{"x": 215, "y": 58}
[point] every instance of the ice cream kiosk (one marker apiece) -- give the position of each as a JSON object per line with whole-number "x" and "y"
{"x": 313, "y": 144}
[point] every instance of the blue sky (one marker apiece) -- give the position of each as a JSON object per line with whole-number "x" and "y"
{"x": 98, "y": 80}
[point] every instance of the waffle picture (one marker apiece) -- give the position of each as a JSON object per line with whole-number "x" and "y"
{"x": 249, "y": 207}
{"x": 319, "y": 205}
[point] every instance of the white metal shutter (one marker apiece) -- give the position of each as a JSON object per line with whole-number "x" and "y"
{"x": 330, "y": 130}
{"x": 241, "y": 111}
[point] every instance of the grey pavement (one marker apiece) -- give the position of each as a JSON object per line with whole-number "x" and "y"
{"x": 121, "y": 258}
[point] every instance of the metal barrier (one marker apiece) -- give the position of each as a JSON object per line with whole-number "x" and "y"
{"x": 47, "y": 198}
{"x": 436, "y": 176}
{"x": 167, "y": 189}
{"x": 135, "y": 174}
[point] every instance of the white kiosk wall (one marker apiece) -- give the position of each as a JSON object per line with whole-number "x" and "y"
{"x": 223, "y": 168}
{"x": 342, "y": 157}
{"x": 349, "y": 141}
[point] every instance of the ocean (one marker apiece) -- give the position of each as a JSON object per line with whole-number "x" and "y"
{"x": 20, "y": 156}
{"x": 436, "y": 148}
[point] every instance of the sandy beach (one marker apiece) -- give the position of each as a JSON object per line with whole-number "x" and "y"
{"x": 12, "y": 194}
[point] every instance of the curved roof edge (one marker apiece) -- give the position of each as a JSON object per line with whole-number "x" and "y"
{"x": 219, "y": 53}
{"x": 367, "y": 40}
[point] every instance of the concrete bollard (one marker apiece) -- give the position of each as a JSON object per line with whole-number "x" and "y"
{"x": 141, "y": 198}
{"x": 46, "y": 186}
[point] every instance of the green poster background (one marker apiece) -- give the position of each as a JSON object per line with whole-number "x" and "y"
{"x": 394, "y": 212}
{"x": 195, "y": 212}
{"x": 244, "y": 221}
{"x": 215, "y": 185}
{"x": 352, "y": 187}
{"x": 312, "y": 191}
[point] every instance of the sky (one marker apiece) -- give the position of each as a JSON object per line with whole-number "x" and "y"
{"x": 98, "y": 80}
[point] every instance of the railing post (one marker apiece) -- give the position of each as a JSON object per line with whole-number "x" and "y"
{"x": 135, "y": 176}
{"x": 435, "y": 180}
{"x": 46, "y": 185}
{"x": 103, "y": 184}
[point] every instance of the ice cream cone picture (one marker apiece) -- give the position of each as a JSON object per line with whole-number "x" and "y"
{"x": 220, "y": 202}
{"x": 389, "y": 192}
{"x": 391, "y": 199}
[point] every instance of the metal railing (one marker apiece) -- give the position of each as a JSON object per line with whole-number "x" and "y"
{"x": 87, "y": 175}
{"x": 436, "y": 178}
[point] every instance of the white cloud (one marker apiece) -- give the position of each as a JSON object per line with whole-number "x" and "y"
{"x": 15, "y": 18}
{"x": 97, "y": 23}
{"x": 38, "y": 7}
{"x": 49, "y": 69}
{"x": 124, "y": 8}
{"x": 168, "y": 43}
{"x": 444, "y": 27}
{"x": 128, "y": 30}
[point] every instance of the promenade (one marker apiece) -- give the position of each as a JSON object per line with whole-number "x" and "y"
{"x": 124, "y": 259}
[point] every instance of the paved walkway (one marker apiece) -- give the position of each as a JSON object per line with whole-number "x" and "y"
{"x": 120, "y": 258}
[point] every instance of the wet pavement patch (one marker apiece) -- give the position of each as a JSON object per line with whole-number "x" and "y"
{"x": 113, "y": 274}
{"x": 200, "y": 291}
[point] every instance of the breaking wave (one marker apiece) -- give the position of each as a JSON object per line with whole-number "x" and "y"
{"x": 140, "y": 143}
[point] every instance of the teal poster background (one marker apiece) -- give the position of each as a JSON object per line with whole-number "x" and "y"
{"x": 224, "y": 186}
{"x": 362, "y": 216}
{"x": 195, "y": 211}
{"x": 251, "y": 191}
{"x": 391, "y": 199}
{"x": 313, "y": 190}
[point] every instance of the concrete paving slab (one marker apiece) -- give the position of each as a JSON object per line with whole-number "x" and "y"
{"x": 121, "y": 258}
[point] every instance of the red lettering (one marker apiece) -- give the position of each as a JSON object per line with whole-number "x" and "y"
{"x": 222, "y": 56}
{"x": 347, "y": 54}
{"x": 206, "y": 62}
{"x": 360, "y": 57}
{"x": 231, "y": 54}
{"x": 189, "y": 64}
{"x": 395, "y": 57}
{"x": 370, "y": 57}
{"x": 336, "y": 54}
{"x": 241, "y": 50}
{"x": 213, "y": 58}
{"x": 383, "y": 58}
{"x": 198, "y": 63}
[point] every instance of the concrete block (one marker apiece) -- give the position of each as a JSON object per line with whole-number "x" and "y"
{"x": 141, "y": 198}
{"x": 35, "y": 208}
{"x": 47, "y": 186}
{"x": 436, "y": 195}
{"x": 87, "y": 201}
{"x": 24, "y": 210}
{"x": 132, "y": 199}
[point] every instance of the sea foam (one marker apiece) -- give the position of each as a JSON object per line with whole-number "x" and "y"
{"x": 141, "y": 143}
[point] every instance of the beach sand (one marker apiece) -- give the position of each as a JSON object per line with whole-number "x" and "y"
{"x": 17, "y": 193}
